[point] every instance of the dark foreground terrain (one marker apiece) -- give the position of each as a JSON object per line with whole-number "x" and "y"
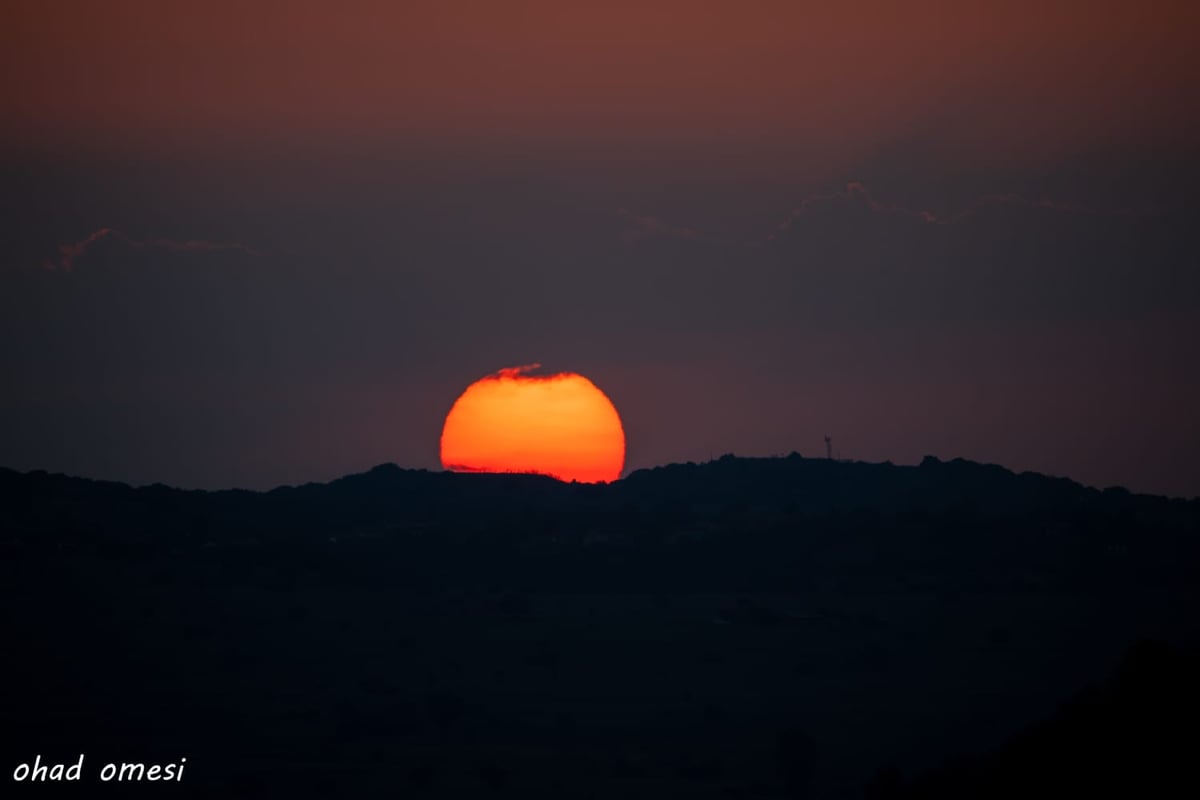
{"x": 764, "y": 628}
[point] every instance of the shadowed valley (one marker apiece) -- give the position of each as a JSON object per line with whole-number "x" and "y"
{"x": 749, "y": 628}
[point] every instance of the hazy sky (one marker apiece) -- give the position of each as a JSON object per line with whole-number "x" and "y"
{"x": 257, "y": 243}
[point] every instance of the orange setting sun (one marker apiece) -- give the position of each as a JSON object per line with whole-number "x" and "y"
{"x": 559, "y": 425}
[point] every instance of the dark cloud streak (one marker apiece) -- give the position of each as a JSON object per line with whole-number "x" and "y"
{"x": 69, "y": 253}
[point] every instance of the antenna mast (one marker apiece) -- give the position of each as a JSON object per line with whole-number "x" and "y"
{"x": 829, "y": 448}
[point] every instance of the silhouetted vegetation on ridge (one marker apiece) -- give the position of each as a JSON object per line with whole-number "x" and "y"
{"x": 388, "y": 493}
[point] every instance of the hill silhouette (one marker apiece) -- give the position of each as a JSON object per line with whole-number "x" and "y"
{"x": 791, "y": 484}
{"x": 783, "y": 627}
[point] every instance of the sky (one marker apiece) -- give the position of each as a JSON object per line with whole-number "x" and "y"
{"x": 262, "y": 243}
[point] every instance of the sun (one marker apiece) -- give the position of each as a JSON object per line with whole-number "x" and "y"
{"x": 559, "y": 425}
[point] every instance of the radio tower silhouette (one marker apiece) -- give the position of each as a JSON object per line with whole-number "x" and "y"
{"x": 829, "y": 448}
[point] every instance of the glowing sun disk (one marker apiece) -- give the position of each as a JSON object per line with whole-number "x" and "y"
{"x": 559, "y": 425}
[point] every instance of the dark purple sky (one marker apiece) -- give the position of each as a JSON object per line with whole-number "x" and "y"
{"x": 253, "y": 244}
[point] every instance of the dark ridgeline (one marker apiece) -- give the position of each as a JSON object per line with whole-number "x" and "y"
{"x": 783, "y": 627}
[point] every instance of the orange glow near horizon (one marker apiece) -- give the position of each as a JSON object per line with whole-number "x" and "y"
{"x": 559, "y": 425}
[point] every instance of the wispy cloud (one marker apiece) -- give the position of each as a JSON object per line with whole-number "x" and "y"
{"x": 992, "y": 200}
{"x": 515, "y": 372}
{"x": 642, "y": 227}
{"x": 70, "y": 253}
{"x": 857, "y": 193}
{"x": 854, "y": 193}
